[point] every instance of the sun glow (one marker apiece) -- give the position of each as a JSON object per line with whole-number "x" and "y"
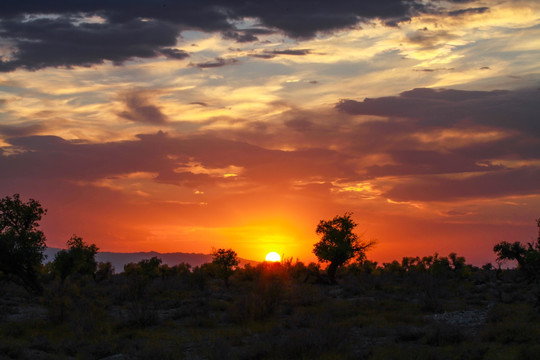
{"x": 273, "y": 256}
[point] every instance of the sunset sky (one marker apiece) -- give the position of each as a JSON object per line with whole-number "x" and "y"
{"x": 185, "y": 125}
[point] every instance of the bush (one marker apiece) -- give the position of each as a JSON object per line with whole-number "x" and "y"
{"x": 444, "y": 334}
{"x": 141, "y": 314}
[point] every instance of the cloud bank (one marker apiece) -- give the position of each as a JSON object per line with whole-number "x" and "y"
{"x": 426, "y": 145}
{"x": 84, "y": 33}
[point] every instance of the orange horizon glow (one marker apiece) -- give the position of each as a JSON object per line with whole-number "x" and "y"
{"x": 393, "y": 242}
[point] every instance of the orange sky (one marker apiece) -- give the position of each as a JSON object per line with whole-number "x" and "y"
{"x": 192, "y": 128}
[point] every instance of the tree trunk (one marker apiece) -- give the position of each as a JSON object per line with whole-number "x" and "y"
{"x": 332, "y": 272}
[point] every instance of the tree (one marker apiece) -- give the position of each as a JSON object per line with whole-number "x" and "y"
{"x": 146, "y": 268}
{"x": 77, "y": 263}
{"x": 80, "y": 258}
{"x": 527, "y": 257}
{"x": 105, "y": 271}
{"x": 21, "y": 243}
{"x": 339, "y": 244}
{"x": 225, "y": 262}
{"x": 150, "y": 267}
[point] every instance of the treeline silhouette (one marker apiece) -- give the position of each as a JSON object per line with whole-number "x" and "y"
{"x": 417, "y": 308}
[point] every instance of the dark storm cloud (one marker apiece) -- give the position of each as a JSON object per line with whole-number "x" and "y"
{"x": 246, "y": 35}
{"x": 140, "y": 109}
{"x": 516, "y": 110}
{"x": 240, "y": 37}
{"x": 217, "y": 62}
{"x": 396, "y": 21}
{"x": 264, "y": 55}
{"x": 304, "y": 18}
{"x": 21, "y": 130}
{"x": 478, "y": 10}
{"x": 274, "y": 53}
{"x": 512, "y": 182}
{"x": 58, "y": 34}
{"x": 433, "y": 169}
{"x": 413, "y": 162}
{"x": 174, "y": 54}
{"x": 58, "y": 42}
{"x": 294, "y": 52}
{"x": 516, "y": 146}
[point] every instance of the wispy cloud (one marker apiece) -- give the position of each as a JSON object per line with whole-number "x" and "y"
{"x": 138, "y": 108}
{"x": 216, "y": 63}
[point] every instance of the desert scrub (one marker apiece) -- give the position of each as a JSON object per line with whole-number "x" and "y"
{"x": 425, "y": 352}
{"x": 401, "y": 312}
{"x": 408, "y": 333}
{"x": 504, "y": 312}
{"x": 321, "y": 341}
{"x": 512, "y": 323}
{"x": 511, "y": 332}
{"x": 312, "y": 343}
{"x": 261, "y": 302}
{"x": 439, "y": 334}
{"x": 305, "y": 295}
{"x": 529, "y": 352}
{"x": 140, "y": 314}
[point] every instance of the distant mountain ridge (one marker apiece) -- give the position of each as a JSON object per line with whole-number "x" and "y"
{"x": 118, "y": 260}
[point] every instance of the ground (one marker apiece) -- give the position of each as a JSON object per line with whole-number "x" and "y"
{"x": 275, "y": 314}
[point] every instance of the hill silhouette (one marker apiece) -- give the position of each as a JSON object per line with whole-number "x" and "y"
{"x": 118, "y": 260}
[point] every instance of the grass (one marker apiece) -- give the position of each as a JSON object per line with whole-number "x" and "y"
{"x": 272, "y": 316}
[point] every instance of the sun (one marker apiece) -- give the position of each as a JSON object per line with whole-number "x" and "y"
{"x": 273, "y": 256}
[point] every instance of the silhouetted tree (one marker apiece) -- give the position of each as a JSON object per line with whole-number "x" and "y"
{"x": 411, "y": 264}
{"x": 440, "y": 266}
{"x": 182, "y": 270}
{"x": 339, "y": 244}
{"x": 79, "y": 258}
{"x": 527, "y": 257}
{"x": 394, "y": 267}
{"x": 458, "y": 262}
{"x": 105, "y": 270}
{"x": 146, "y": 268}
{"x": 74, "y": 267}
{"x": 21, "y": 244}
{"x": 225, "y": 262}
{"x": 150, "y": 267}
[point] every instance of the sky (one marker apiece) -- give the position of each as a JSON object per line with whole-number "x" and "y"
{"x": 189, "y": 125}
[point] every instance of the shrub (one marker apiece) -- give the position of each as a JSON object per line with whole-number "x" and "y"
{"x": 444, "y": 334}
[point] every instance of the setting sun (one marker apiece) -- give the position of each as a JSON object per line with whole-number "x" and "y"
{"x": 273, "y": 256}
{"x": 243, "y": 130}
